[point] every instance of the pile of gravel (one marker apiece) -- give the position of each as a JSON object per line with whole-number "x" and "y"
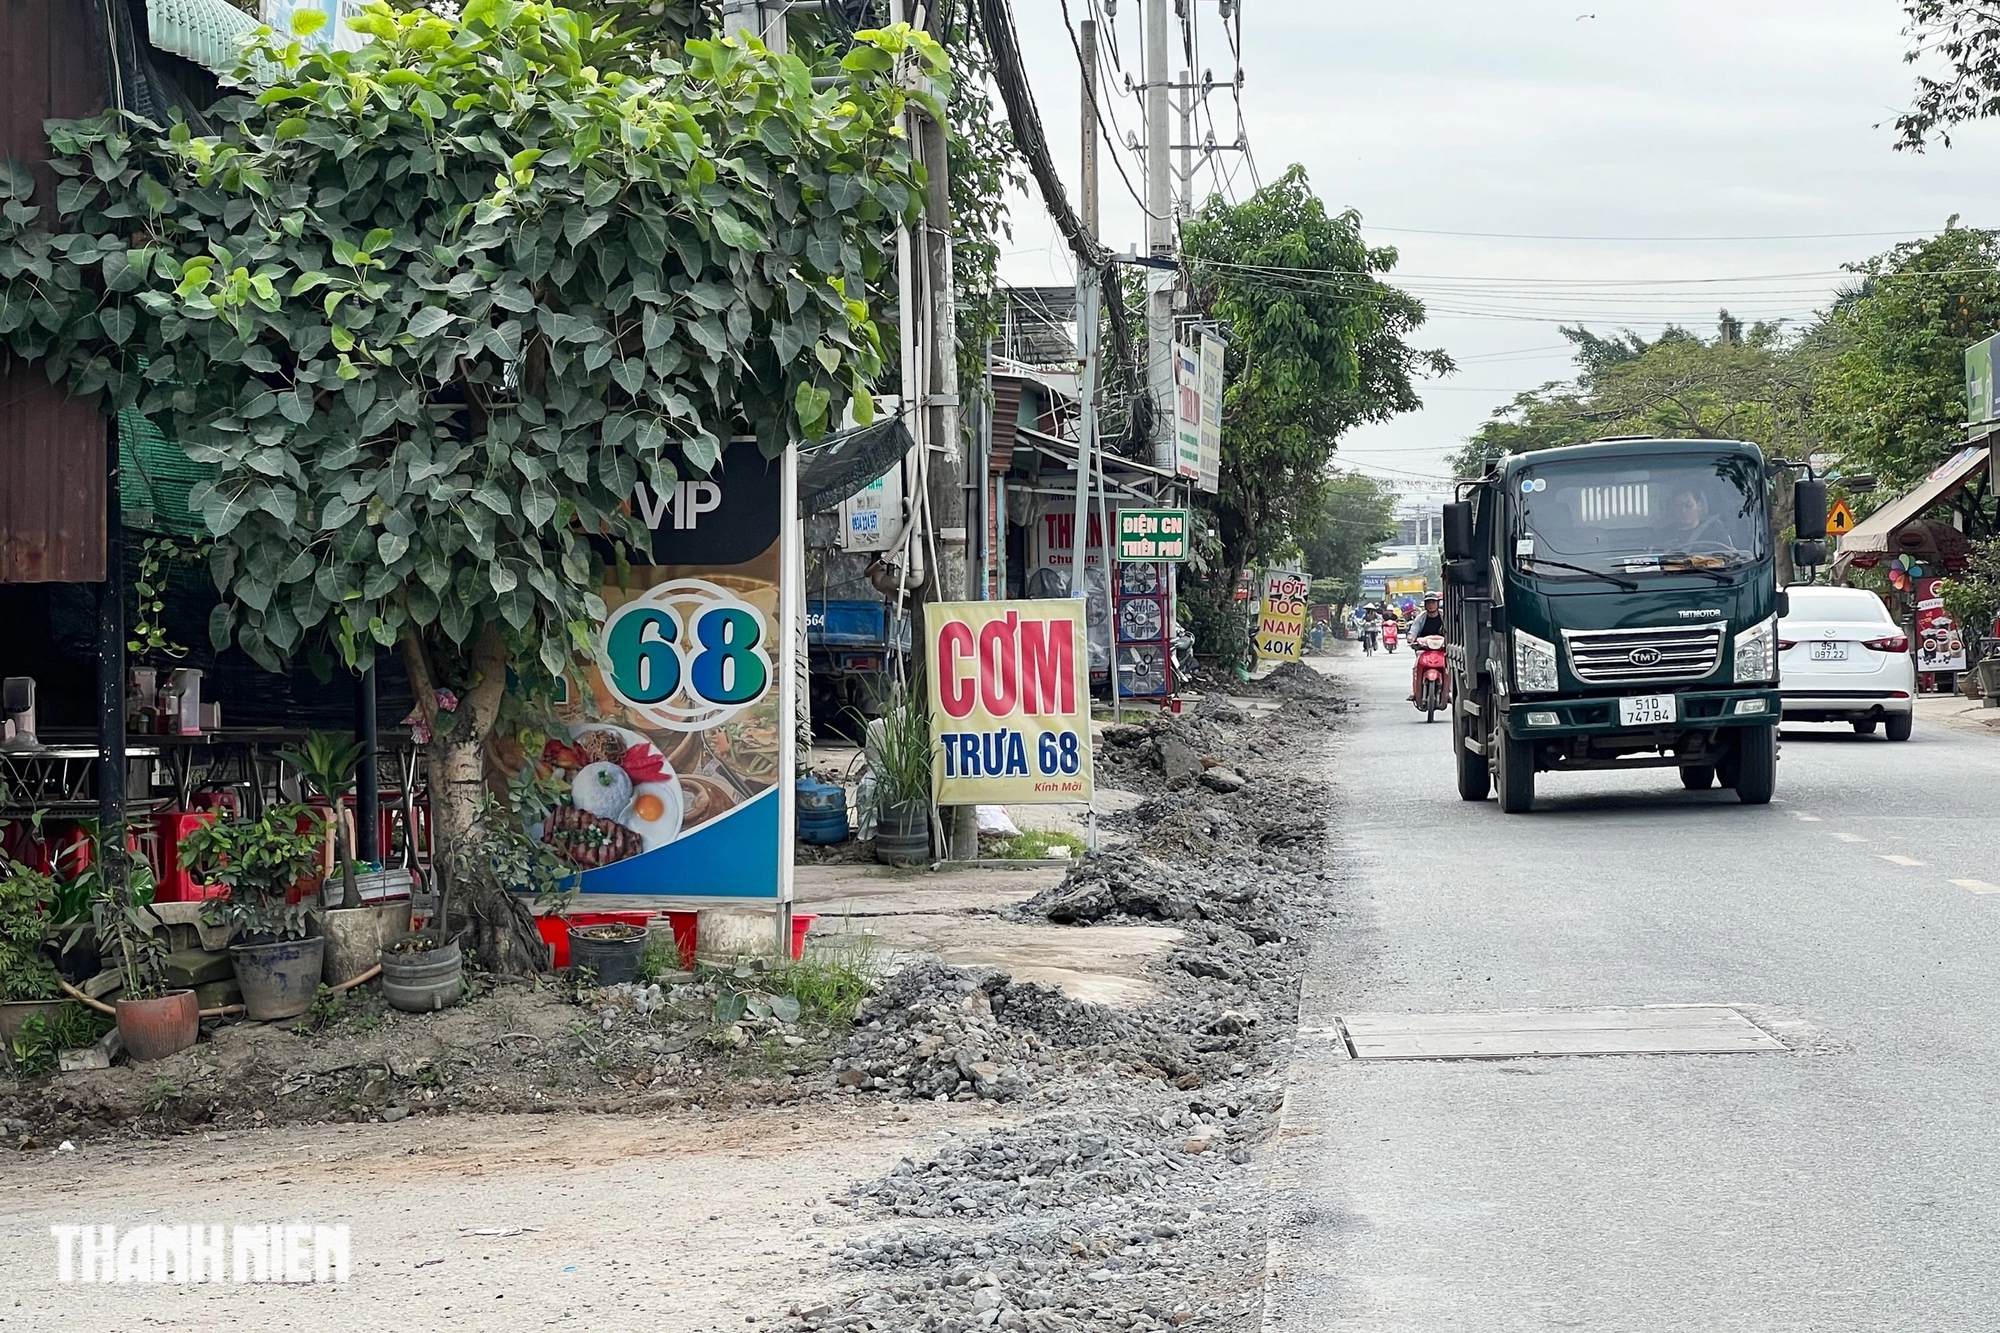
{"x": 931, "y": 1032}
{"x": 1094, "y": 1219}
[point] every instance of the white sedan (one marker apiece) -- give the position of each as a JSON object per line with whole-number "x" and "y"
{"x": 1841, "y": 658}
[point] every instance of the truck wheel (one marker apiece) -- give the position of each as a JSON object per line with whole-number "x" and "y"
{"x": 1516, "y": 775}
{"x": 1756, "y": 764}
{"x": 1698, "y": 777}
{"x": 1896, "y": 726}
{"x": 1473, "y": 779}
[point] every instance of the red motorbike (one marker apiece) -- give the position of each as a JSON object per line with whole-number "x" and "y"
{"x": 1389, "y": 635}
{"x": 1431, "y": 686}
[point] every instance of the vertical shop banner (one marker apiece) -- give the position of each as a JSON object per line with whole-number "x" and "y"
{"x": 1940, "y": 644}
{"x": 1281, "y": 616}
{"x": 1211, "y": 413}
{"x": 1010, "y": 702}
{"x": 1187, "y": 411}
{"x": 675, "y": 776}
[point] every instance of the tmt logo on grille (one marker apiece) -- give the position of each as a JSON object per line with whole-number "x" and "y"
{"x": 1643, "y": 657}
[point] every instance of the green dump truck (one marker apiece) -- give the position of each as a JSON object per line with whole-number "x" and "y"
{"x": 1615, "y": 605}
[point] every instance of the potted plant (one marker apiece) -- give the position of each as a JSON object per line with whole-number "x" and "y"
{"x": 28, "y": 980}
{"x": 356, "y": 930}
{"x": 154, "y": 1022}
{"x": 899, "y": 760}
{"x": 278, "y": 957}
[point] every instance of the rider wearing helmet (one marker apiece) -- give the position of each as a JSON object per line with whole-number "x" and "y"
{"x": 1430, "y": 622}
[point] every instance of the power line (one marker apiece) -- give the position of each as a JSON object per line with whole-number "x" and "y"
{"x": 1541, "y": 236}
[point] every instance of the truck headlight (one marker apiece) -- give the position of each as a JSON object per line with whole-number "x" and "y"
{"x": 1534, "y": 664}
{"x": 1757, "y": 653}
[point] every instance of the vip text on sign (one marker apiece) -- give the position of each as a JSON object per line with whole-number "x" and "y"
{"x": 1152, "y": 534}
{"x": 1010, "y": 701}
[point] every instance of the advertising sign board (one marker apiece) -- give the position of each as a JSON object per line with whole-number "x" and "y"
{"x": 1152, "y": 534}
{"x": 1940, "y": 644}
{"x": 1281, "y": 617}
{"x": 675, "y": 775}
{"x": 1979, "y": 396}
{"x": 872, "y": 518}
{"x": 1010, "y": 702}
{"x": 1211, "y": 412}
{"x": 1187, "y": 411}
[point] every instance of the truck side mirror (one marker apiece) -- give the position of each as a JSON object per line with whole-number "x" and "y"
{"x": 1809, "y": 555}
{"x": 1809, "y": 505}
{"x": 1458, "y": 531}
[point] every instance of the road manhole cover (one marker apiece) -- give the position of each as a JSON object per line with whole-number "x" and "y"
{"x": 1667, "y": 1029}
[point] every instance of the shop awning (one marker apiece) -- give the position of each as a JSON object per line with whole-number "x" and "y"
{"x": 1877, "y": 532}
{"x": 208, "y": 32}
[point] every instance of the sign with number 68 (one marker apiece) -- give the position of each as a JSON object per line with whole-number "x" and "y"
{"x": 687, "y": 656}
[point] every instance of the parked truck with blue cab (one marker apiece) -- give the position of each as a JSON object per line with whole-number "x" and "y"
{"x": 1615, "y": 605}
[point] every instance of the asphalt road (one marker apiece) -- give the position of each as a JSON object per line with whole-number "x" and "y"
{"x": 1852, "y": 1182}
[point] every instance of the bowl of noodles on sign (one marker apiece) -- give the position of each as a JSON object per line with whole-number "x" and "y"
{"x": 619, "y": 798}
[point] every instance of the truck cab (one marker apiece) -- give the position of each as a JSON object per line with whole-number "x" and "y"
{"x": 1615, "y": 605}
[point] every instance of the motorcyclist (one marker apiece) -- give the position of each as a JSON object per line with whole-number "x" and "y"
{"x": 1430, "y": 622}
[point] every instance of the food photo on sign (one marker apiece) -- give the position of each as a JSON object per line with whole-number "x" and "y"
{"x": 664, "y": 773}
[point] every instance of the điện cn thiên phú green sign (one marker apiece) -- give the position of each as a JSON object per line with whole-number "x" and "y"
{"x": 1152, "y": 534}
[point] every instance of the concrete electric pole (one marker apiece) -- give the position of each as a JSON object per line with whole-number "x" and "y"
{"x": 1159, "y": 237}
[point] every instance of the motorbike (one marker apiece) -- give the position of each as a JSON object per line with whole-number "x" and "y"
{"x": 1185, "y": 667}
{"x": 1431, "y": 686}
{"x": 1389, "y": 635}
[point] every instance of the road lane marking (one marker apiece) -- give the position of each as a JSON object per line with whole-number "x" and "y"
{"x": 1898, "y": 860}
{"x": 1977, "y": 885}
{"x": 1850, "y": 837}
{"x": 1807, "y": 819}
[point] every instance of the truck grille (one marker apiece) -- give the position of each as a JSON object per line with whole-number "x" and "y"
{"x": 1672, "y": 652}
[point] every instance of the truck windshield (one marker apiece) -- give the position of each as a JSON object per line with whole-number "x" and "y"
{"x": 1629, "y": 517}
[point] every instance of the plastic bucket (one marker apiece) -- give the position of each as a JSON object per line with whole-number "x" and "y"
{"x": 555, "y": 929}
{"x": 610, "y": 961}
{"x": 279, "y": 980}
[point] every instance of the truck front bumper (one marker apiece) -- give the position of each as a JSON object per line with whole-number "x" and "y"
{"x": 1703, "y": 710}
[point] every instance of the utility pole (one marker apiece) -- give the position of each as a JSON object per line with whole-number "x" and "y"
{"x": 1159, "y": 237}
{"x": 1184, "y": 103}
{"x": 1088, "y": 42}
{"x": 1088, "y": 302}
{"x": 759, "y": 18}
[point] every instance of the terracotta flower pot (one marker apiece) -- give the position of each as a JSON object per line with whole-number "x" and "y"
{"x": 157, "y": 1028}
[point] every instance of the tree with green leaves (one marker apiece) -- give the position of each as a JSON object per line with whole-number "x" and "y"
{"x": 1889, "y": 391}
{"x": 1317, "y": 345}
{"x": 1965, "y": 36}
{"x": 1356, "y": 516}
{"x": 433, "y": 307}
{"x": 1742, "y": 384}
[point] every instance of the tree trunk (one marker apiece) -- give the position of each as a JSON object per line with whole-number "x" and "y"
{"x": 501, "y": 928}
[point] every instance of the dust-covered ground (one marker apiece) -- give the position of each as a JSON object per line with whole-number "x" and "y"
{"x": 971, "y": 1151}
{"x": 1128, "y": 1197}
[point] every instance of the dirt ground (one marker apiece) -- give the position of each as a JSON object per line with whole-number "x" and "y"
{"x": 675, "y": 1223}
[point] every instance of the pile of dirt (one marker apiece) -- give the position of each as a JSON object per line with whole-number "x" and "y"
{"x": 1163, "y": 752}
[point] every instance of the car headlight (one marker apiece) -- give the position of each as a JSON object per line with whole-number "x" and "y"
{"x": 1757, "y": 653}
{"x": 1534, "y": 664}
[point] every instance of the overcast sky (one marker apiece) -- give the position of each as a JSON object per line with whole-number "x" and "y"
{"x": 1756, "y": 118}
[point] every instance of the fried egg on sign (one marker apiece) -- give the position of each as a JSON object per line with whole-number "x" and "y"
{"x": 655, "y": 813}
